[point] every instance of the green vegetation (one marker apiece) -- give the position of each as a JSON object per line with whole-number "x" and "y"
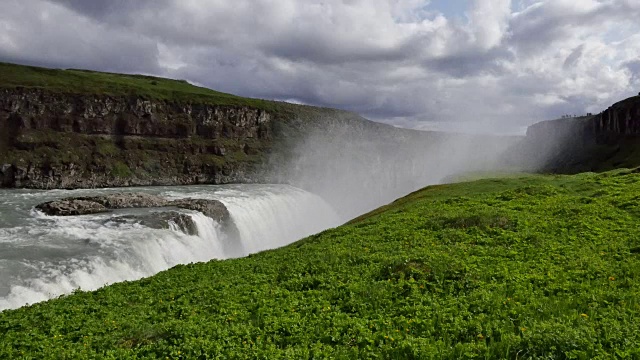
{"x": 623, "y": 153}
{"x": 84, "y": 82}
{"x": 99, "y": 83}
{"x": 130, "y": 157}
{"x": 63, "y": 150}
{"x": 531, "y": 267}
{"x": 120, "y": 170}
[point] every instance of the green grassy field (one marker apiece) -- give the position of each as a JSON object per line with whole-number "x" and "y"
{"x": 99, "y": 83}
{"x": 541, "y": 267}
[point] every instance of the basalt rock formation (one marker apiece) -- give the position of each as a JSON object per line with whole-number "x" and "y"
{"x": 33, "y": 109}
{"x": 54, "y": 140}
{"x": 80, "y": 129}
{"x": 604, "y": 141}
{"x": 620, "y": 120}
{"x": 105, "y": 203}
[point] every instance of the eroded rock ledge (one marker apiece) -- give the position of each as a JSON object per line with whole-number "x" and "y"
{"x": 59, "y": 140}
{"x": 161, "y": 220}
{"x": 105, "y": 203}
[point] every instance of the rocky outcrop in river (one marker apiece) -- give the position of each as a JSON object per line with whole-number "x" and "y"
{"x": 161, "y": 220}
{"x": 105, "y": 203}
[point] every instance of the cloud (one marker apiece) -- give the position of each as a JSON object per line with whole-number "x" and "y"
{"x": 489, "y": 21}
{"x": 499, "y": 64}
{"x": 573, "y": 58}
{"x": 43, "y": 33}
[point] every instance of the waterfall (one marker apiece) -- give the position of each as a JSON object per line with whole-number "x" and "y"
{"x": 91, "y": 251}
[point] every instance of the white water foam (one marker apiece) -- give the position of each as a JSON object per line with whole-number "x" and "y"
{"x": 274, "y": 218}
{"x": 88, "y": 252}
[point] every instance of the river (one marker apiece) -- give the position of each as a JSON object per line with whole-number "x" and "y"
{"x": 43, "y": 257}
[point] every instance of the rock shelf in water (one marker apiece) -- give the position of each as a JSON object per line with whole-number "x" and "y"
{"x": 105, "y": 203}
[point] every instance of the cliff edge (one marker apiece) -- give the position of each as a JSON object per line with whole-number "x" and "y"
{"x": 600, "y": 142}
{"x": 83, "y": 129}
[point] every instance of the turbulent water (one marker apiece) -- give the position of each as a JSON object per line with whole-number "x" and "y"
{"x": 42, "y": 257}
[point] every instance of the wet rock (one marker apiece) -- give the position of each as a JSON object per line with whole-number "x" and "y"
{"x": 211, "y": 208}
{"x": 162, "y": 220}
{"x": 70, "y": 207}
{"x": 98, "y": 204}
{"x": 104, "y": 203}
{"x": 7, "y": 175}
{"x": 129, "y": 200}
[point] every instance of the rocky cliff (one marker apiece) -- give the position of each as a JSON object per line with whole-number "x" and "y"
{"x": 58, "y": 140}
{"x": 604, "y": 141}
{"x": 620, "y": 120}
{"x": 82, "y": 129}
{"x": 32, "y": 109}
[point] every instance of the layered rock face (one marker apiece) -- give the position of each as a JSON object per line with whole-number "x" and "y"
{"x": 621, "y": 119}
{"x": 589, "y": 143}
{"x": 104, "y": 115}
{"x": 618, "y": 121}
{"x": 52, "y": 140}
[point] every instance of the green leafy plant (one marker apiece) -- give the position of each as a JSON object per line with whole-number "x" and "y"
{"x": 517, "y": 268}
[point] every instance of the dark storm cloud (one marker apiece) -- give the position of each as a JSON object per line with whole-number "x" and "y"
{"x": 388, "y": 60}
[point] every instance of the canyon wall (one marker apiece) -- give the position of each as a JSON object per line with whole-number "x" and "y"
{"x": 599, "y": 142}
{"x": 620, "y": 120}
{"x": 54, "y": 140}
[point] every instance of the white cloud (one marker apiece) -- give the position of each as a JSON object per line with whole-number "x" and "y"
{"x": 40, "y": 32}
{"x": 505, "y": 64}
{"x": 489, "y": 22}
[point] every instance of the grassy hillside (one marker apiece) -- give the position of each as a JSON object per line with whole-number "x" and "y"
{"x": 528, "y": 267}
{"x": 85, "y": 82}
{"x": 623, "y": 153}
{"x": 72, "y": 110}
{"x": 99, "y": 83}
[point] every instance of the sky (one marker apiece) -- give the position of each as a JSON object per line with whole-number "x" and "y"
{"x": 475, "y": 66}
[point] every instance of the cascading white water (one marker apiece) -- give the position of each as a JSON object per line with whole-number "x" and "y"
{"x": 273, "y": 218}
{"x": 43, "y": 257}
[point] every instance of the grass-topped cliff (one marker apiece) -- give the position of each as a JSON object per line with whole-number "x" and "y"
{"x": 520, "y": 267}
{"x": 599, "y": 142}
{"x": 86, "y": 83}
{"x": 83, "y": 82}
{"x": 77, "y": 129}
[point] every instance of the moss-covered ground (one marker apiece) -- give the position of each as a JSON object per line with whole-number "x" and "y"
{"x": 541, "y": 267}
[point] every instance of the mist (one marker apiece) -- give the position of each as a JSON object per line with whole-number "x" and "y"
{"x": 356, "y": 165}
